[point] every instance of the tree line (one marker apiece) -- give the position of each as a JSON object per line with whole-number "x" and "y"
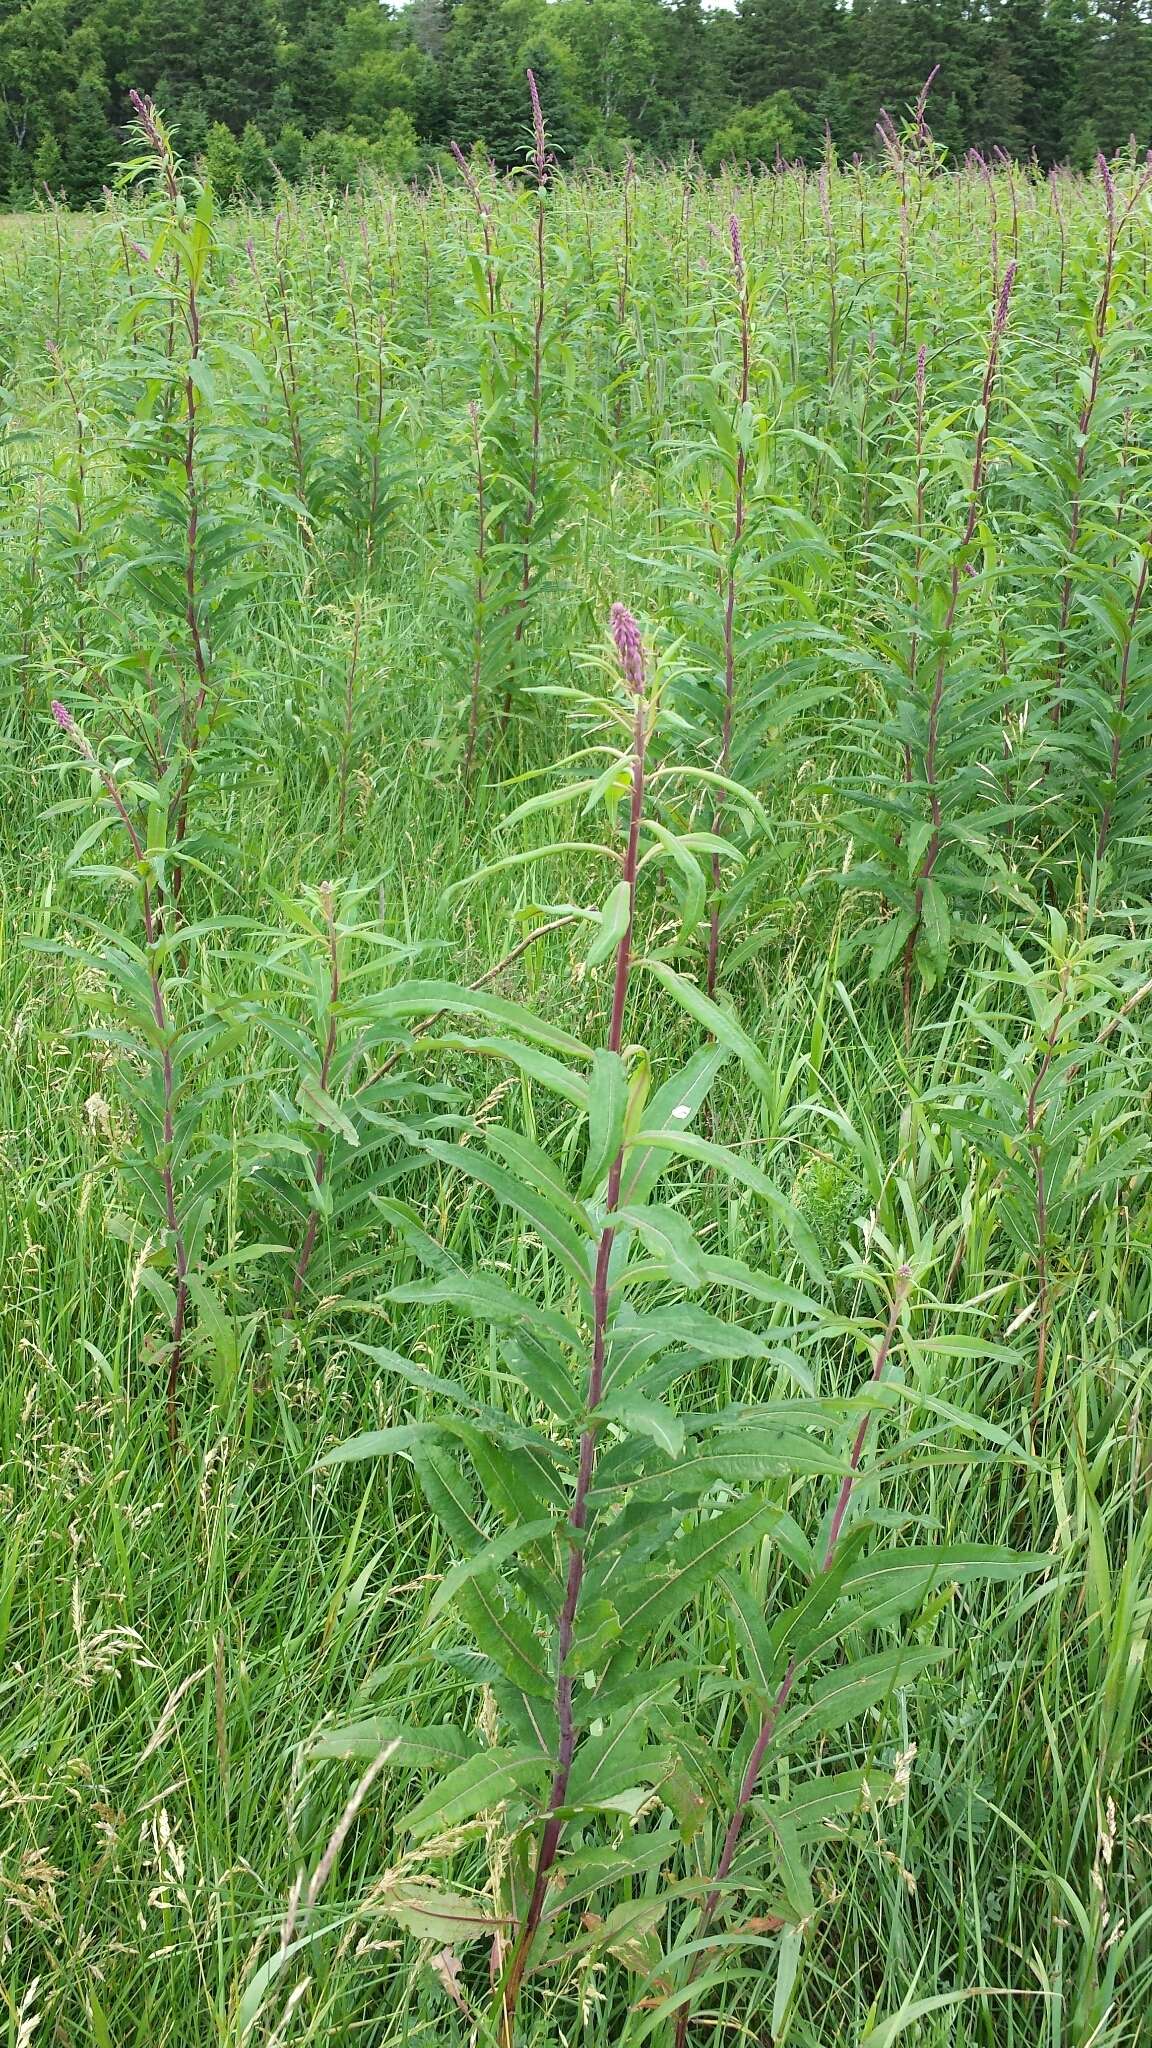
{"x": 269, "y": 89}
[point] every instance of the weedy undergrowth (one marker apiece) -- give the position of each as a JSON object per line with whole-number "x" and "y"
{"x": 590, "y": 1507}
{"x": 921, "y": 838}
{"x": 144, "y": 1000}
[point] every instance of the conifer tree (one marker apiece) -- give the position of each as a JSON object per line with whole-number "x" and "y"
{"x": 239, "y": 60}
{"x": 90, "y": 149}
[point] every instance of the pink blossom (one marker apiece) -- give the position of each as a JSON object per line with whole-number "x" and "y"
{"x": 629, "y": 646}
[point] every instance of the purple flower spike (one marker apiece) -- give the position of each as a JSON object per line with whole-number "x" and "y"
{"x": 67, "y": 723}
{"x": 922, "y": 102}
{"x": 540, "y": 157}
{"x": 921, "y": 371}
{"x": 1001, "y": 320}
{"x": 1109, "y": 187}
{"x": 629, "y": 646}
{"x": 737, "y": 250}
{"x": 145, "y": 110}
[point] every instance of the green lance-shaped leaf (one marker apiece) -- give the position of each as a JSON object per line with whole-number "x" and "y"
{"x": 432, "y": 1914}
{"x": 425, "y": 998}
{"x": 496, "y": 1551}
{"x": 553, "y": 1229}
{"x": 613, "y": 924}
{"x": 718, "y": 1022}
{"x": 607, "y": 1105}
{"x": 644, "y": 1417}
{"x": 415, "y": 1749}
{"x": 843, "y": 1696}
{"x": 476, "y": 1786}
{"x": 670, "y": 1238}
{"x": 649, "y": 1603}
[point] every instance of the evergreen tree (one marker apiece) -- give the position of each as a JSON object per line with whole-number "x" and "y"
{"x": 1002, "y": 100}
{"x": 787, "y": 46}
{"x": 309, "y": 72}
{"x": 1047, "y": 44}
{"x": 48, "y": 167}
{"x": 239, "y": 60}
{"x": 697, "y": 74}
{"x": 171, "y": 44}
{"x": 256, "y": 172}
{"x": 90, "y": 146}
{"x": 1118, "y": 74}
{"x": 381, "y": 82}
{"x": 484, "y": 87}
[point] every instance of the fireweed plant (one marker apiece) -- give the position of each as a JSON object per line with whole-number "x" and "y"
{"x": 139, "y": 1004}
{"x": 918, "y": 848}
{"x": 383, "y": 1058}
{"x": 588, "y": 1508}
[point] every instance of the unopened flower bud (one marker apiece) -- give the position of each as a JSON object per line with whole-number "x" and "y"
{"x": 629, "y": 646}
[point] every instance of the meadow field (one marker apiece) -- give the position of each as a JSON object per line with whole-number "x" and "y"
{"x": 575, "y": 1345}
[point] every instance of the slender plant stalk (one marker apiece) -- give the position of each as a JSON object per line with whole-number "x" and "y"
{"x": 1084, "y": 427}
{"x": 1058, "y": 210}
{"x": 286, "y": 375}
{"x": 1120, "y": 709}
{"x": 833, "y": 306}
{"x": 320, "y": 1161}
{"x": 159, "y": 1008}
{"x": 191, "y": 708}
{"x": 625, "y": 282}
{"x": 630, "y": 647}
{"x": 918, "y": 566}
{"x": 485, "y": 215}
{"x": 959, "y": 565}
{"x": 739, "y": 515}
{"x": 1034, "y": 1115}
{"x": 541, "y": 161}
{"x": 81, "y": 455}
{"x": 771, "y": 1720}
{"x": 349, "y": 720}
{"x": 481, "y": 591}
{"x": 1116, "y": 220}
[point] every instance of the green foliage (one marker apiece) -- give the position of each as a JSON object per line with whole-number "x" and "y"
{"x": 776, "y": 127}
{"x": 1052, "y": 79}
{"x": 369, "y": 1083}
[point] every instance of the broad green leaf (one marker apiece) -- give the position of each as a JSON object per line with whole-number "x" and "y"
{"x": 722, "y": 1027}
{"x": 688, "y": 1145}
{"x": 607, "y": 1102}
{"x": 910, "y": 2015}
{"x": 416, "y": 1749}
{"x": 554, "y": 1230}
{"x": 496, "y": 1550}
{"x": 319, "y": 1107}
{"x": 426, "y": 998}
{"x": 614, "y": 920}
{"x": 505, "y": 1637}
{"x": 435, "y": 1915}
{"x": 648, "y": 1605}
{"x": 670, "y": 1238}
{"x": 475, "y": 1786}
{"x": 671, "y": 1108}
{"x": 380, "y": 1443}
{"x": 647, "y": 1418}
{"x": 845, "y": 1695}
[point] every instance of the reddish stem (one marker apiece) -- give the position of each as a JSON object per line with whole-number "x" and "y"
{"x": 770, "y": 1722}
{"x": 975, "y": 501}
{"x": 578, "y": 1515}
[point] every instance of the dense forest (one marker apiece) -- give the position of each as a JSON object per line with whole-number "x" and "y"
{"x": 287, "y": 88}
